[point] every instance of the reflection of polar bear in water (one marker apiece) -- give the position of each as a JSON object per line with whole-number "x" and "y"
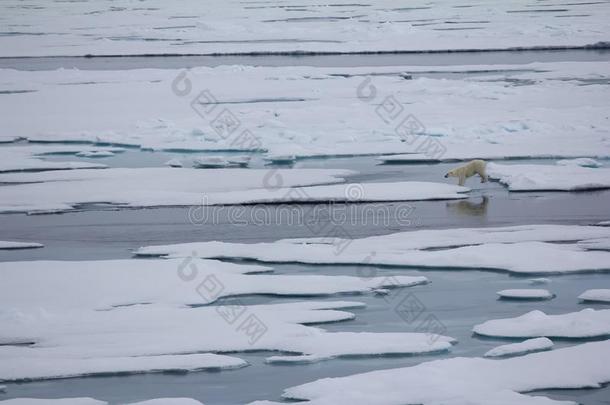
{"x": 468, "y": 170}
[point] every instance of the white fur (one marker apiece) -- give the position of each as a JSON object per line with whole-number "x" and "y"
{"x": 468, "y": 170}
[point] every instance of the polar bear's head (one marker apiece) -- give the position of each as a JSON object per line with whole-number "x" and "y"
{"x": 451, "y": 173}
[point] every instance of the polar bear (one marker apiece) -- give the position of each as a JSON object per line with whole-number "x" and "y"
{"x": 468, "y": 170}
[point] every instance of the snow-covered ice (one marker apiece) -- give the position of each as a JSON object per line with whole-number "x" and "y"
{"x": 31, "y": 158}
{"x": 162, "y": 281}
{"x": 539, "y": 280}
{"x": 19, "y": 245}
{"x": 140, "y": 313}
{"x": 527, "y": 346}
{"x": 215, "y": 162}
{"x": 147, "y": 187}
{"x": 219, "y": 27}
{"x": 525, "y": 294}
{"x": 168, "y": 401}
{"x": 584, "y": 162}
{"x": 549, "y": 177}
{"x": 460, "y": 380}
{"x": 597, "y": 295}
{"x": 595, "y": 244}
{"x": 293, "y": 116}
{"x": 174, "y": 163}
{"x": 91, "y": 401}
{"x": 56, "y": 401}
{"x": 521, "y": 249}
{"x": 587, "y": 323}
{"x": 95, "y": 154}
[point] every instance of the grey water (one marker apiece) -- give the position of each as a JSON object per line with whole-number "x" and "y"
{"x": 347, "y": 60}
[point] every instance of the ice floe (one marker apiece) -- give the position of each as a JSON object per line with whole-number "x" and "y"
{"x": 155, "y": 315}
{"x": 460, "y": 380}
{"x": 595, "y": 244}
{"x": 526, "y": 294}
{"x": 587, "y": 323}
{"x": 527, "y": 346}
{"x": 163, "y": 281}
{"x": 308, "y": 27}
{"x": 56, "y": 401}
{"x": 597, "y": 295}
{"x": 521, "y": 249}
{"x": 95, "y": 154}
{"x": 168, "y": 401}
{"x": 150, "y": 187}
{"x": 174, "y": 163}
{"x": 584, "y": 162}
{"x": 215, "y": 162}
{"x": 19, "y": 245}
{"x": 539, "y": 280}
{"x": 549, "y": 178}
{"x": 344, "y": 117}
{"x": 149, "y": 331}
{"x": 91, "y": 401}
{"x": 31, "y": 158}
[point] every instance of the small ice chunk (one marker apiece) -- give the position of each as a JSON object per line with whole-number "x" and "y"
{"x": 281, "y": 159}
{"x": 55, "y": 401}
{"x": 595, "y": 244}
{"x": 95, "y": 153}
{"x": 174, "y": 163}
{"x": 168, "y": 401}
{"x": 381, "y": 291}
{"x": 583, "y": 162}
{"x": 540, "y": 280}
{"x": 527, "y": 346}
{"x": 597, "y": 295}
{"x": 603, "y": 223}
{"x": 19, "y": 245}
{"x": 526, "y": 294}
{"x": 215, "y": 162}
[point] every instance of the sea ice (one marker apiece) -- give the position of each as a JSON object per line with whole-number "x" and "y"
{"x": 587, "y": 323}
{"x": 549, "y": 178}
{"x": 517, "y": 249}
{"x": 527, "y": 346}
{"x": 19, "y": 245}
{"x": 147, "y": 187}
{"x": 473, "y": 381}
{"x": 525, "y": 294}
{"x": 584, "y": 162}
{"x": 597, "y": 295}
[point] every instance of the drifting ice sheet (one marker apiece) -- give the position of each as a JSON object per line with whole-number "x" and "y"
{"x": 142, "y": 312}
{"x": 527, "y": 346}
{"x": 19, "y": 245}
{"x": 295, "y": 116}
{"x": 525, "y": 294}
{"x": 549, "y": 178}
{"x": 598, "y": 295}
{"x": 473, "y": 381}
{"x": 515, "y": 249}
{"x": 145, "y": 187}
{"x": 587, "y": 323}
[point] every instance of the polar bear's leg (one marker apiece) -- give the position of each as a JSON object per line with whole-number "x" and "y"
{"x": 462, "y": 179}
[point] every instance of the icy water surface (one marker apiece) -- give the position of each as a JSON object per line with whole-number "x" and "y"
{"x": 460, "y": 299}
{"x": 417, "y": 59}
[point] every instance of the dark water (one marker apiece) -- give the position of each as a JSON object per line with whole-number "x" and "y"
{"x": 416, "y": 59}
